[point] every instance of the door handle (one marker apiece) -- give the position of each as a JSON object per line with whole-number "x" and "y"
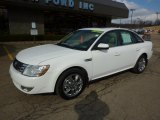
{"x": 137, "y": 49}
{"x": 117, "y": 54}
{"x": 87, "y": 60}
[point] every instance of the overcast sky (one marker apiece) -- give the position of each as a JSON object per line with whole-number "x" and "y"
{"x": 144, "y": 9}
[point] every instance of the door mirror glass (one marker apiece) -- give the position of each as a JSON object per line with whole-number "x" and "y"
{"x": 103, "y": 46}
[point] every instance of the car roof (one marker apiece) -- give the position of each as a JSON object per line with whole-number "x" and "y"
{"x": 104, "y": 29}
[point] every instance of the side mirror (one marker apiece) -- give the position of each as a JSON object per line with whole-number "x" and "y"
{"x": 103, "y": 46}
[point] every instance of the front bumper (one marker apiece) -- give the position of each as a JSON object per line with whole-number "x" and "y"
{"x": 31, "y": 85}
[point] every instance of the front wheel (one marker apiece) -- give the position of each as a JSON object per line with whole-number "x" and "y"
{"x": 140, "y": 65}
{"x": 71, "y": 83}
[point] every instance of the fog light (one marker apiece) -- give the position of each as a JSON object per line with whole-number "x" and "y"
{"x": 26, "y": 89}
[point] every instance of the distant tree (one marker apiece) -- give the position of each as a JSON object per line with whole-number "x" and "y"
{"x": 157, "y": 22}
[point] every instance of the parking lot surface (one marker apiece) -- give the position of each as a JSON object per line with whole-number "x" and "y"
{"x": 125, "y": 96}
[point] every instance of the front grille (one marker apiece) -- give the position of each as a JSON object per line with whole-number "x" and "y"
{"x": 19, "y": 66}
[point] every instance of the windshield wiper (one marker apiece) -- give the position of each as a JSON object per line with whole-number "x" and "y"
{"x": 64, "y": 45}
{"x": 71, "y": 47}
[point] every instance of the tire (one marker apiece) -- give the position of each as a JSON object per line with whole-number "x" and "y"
{"x": 71, "y": 83}
{"x": 140, "y": 65}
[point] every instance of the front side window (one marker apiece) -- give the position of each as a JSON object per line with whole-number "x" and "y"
{"x": 110, "y": 38}
{"x": 81, "y": 39}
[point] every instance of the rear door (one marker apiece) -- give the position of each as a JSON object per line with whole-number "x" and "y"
{"x": 130, "y": 48}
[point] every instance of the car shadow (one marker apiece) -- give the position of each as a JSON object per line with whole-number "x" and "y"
{"x": 89, "y": 83}
{"x": 91, "y": 108}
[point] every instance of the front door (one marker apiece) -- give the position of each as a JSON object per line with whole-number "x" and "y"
{"x": 107, "y": 61}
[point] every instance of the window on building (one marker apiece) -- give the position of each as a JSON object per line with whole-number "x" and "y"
{"x": 4, "y": 24}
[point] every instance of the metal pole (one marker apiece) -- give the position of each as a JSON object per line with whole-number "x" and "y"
{"x": 132, "y": 14}
{"x": 157, "y": 17}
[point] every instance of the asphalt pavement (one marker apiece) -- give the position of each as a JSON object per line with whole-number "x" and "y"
{"x": 125, "y": 96}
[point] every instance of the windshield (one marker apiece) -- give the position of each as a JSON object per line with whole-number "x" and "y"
{"x": 81, "y": 39}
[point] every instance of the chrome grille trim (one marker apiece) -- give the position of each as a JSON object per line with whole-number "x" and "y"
{"x": 19, "y": 66}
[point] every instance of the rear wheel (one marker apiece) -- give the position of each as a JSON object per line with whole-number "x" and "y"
{"x": 71, "y": 83}
{"x": 140, "y": 65}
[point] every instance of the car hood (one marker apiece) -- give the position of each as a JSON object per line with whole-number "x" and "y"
{"x": 38, "y": 54}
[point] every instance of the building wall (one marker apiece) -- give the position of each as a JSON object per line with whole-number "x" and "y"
{"x": 56, "y": 22}
{"x": 20, "y": 21}
{"x": 65, "y": 22}
{"x": 101, "y": 7}
{"x": 82, "y": 13}
{"x": 4, "y": 28}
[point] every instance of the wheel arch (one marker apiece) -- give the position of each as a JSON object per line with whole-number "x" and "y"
{"x": 77, "y": 67}
{"x": 135, "y": 69}
{"x": 139, "y": 55}
{"x": 144, "y": 54}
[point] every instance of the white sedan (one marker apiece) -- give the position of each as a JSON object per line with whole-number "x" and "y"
{"x": 82, "y": 56}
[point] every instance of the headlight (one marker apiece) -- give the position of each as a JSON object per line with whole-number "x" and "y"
{"x": 35, "y": 70}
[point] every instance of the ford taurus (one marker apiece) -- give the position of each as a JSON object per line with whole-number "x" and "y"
{"x": 80, "y": 57}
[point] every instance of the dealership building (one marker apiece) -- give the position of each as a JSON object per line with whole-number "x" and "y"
{"x": 57, "y": 16}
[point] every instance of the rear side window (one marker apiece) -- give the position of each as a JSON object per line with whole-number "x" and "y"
{"x": 138, "y": 39}
{"x": 127, "y": 38}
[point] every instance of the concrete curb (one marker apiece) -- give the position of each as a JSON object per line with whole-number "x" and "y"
{"x": 30, "y": 42}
